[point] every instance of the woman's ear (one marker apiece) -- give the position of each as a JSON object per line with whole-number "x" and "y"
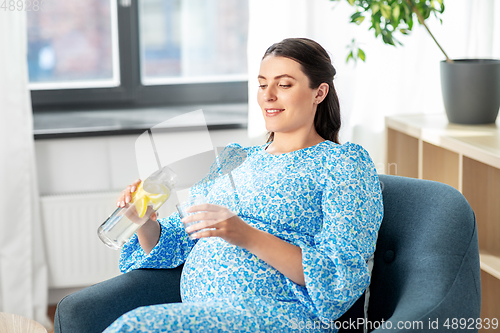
{"x": 321, "y": 93}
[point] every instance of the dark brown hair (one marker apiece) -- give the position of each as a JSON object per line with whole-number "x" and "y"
{"x": 317, "y": 66}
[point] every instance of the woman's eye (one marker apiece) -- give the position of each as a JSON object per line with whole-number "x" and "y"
{"x": 262, "y": 86}
{"x": 285, "y": 85}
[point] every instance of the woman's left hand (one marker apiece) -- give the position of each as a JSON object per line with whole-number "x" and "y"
{"x": 222, "y": 222}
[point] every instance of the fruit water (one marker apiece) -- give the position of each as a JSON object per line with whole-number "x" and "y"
{"x": 124, "y": 222}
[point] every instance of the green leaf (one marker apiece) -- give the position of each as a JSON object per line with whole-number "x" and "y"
{"x": 361, "y": 54}
{"x": 406, "y": 9}
{"x": 386, "y": 11}
{"x": 389, "y": 16}
{"x": 387, "y": 37}
{"x": 355, "y": 16}
{"x": 378, "y": 29}
{"x": 410, "y": 23}
{"x": 395, "y": 13}
{"x": 349, "y": 57}
{"x": 360, "y": 20}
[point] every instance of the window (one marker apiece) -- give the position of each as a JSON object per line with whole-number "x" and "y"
{"x": 103, "y": 53}
{"x": 192, "y": 41}
{"x": 73, "y": 45}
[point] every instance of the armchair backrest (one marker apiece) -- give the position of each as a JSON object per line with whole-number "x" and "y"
{"x": 427, "y": 258}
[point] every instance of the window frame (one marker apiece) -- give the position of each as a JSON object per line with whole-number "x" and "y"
{"x": 131, "y": 92}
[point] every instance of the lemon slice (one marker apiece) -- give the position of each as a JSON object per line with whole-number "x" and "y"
{"x": 158, "y": 199}
{"x": 140, "y": 200}
{"x": 142, "y": 206}
{"x": 155, "y": 194}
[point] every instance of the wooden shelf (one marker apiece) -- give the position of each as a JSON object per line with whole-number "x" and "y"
{"x": 490, "y": 264}
{"x": 467, "y": 158}
{"x": 479, "y": 142}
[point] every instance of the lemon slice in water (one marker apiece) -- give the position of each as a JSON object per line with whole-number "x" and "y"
{"x": 140, "y": 200}
{"x": 158, "y": 199}
{"x": 142, "y": 206}
{"x": 156, "y": 194}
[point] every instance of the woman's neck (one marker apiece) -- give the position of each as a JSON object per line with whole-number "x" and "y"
{"x": 283, "y": 143}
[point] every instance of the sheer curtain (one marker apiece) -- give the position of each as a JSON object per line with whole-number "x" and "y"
{"x": 23, "y": 270}
{"x": 394, "y": 80}
{"x": 269, "y": 22}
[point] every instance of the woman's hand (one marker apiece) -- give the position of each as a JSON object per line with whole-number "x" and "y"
{"x": 149, "y": 234}
{"x": 221, "y": 222}
{"x": 126, "y": 194}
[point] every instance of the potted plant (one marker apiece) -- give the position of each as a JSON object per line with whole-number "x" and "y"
{"x": 470, "y": 87}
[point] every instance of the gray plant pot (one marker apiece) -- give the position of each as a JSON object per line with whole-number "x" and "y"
{"x": 471, "y": 90}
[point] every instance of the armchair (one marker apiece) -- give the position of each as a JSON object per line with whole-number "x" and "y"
{"x": 426, "y": 270}
{"x": 426, "y": 265}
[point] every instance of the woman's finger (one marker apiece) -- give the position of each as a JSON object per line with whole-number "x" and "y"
{"x": 201, "y": 225}
{"x": 154, "y": 216}
{"x": 214, "y": 217}
{"x": 121, "y": 200}
{"x": 205, "y": 233}
{"x": 126, "y": 195}
{"x": 131, "y": 189}
{"x": 134, "y": 185}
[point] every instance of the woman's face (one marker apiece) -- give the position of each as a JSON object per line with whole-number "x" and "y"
{"x": 288, "y": 104}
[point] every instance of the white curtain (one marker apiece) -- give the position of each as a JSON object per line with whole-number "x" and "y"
{"x": 269, "y": 22}
{"x": 394, "y": 80}
{"x": 23, "y": 269}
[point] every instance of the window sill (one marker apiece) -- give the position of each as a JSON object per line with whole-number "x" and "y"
{"x": 74, "y": 124}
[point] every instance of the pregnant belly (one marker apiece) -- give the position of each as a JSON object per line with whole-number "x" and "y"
{"x": 216, "y": 269}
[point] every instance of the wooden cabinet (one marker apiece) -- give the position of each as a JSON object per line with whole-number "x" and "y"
{"x": 467, "y": 158}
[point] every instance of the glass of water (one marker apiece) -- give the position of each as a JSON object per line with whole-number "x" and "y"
{"x": 183, "y": 206}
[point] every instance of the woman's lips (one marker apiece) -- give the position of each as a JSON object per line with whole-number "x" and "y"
{"x": 273, "y": 112}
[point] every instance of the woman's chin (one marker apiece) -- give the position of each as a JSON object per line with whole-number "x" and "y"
{"x": 270, "y": 127}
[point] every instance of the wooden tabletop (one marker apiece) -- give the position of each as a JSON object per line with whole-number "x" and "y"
{"x": 479, "y": 142}
{"x": 10, "y": 323}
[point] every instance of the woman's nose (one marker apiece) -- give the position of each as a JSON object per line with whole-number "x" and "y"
{"x": 270, "y": 95}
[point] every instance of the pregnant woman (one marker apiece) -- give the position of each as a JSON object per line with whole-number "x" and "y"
{"x": 290, "y": 235}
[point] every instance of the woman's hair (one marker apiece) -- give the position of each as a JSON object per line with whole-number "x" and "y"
{"x": 318, "y": 68}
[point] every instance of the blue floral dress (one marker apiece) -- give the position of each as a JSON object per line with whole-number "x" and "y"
{"x": 326, "y": 199}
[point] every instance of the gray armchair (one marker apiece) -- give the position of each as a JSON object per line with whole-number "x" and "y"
{"x": 426, "y": 270}
{"x": 427, "y": 259}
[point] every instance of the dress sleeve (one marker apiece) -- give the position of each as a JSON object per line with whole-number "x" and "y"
{"x": 171, "y": 250}
{"x": 335, "y": 264}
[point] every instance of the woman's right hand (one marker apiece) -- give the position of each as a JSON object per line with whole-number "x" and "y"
{"x": 126, "y": 196}
{"x": 149, "y": 234}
